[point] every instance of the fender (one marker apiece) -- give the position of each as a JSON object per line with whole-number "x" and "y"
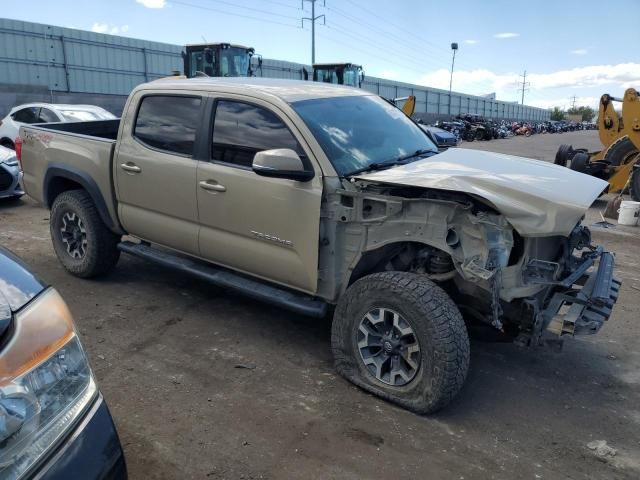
{"x": 87, "y": 183}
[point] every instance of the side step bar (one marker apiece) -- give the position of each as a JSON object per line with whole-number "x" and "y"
{"x": 296, "y": 302}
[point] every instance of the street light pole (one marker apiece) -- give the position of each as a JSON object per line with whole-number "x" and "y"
{"x": 454, "y": 47}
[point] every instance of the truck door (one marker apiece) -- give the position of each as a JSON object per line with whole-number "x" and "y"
{"x": 267, "y": 227}
{"x": 155, "y": 169}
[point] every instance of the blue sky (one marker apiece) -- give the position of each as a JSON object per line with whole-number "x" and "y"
{"x": 582, "y": 48}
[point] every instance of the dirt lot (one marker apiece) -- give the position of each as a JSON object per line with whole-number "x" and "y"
{"x": 171, "y": 356}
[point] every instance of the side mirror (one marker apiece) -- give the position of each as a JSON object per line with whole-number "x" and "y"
{"x": 281, "y": 163}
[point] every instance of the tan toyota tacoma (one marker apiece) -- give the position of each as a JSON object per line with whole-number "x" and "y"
{"x": 329, "y": 200}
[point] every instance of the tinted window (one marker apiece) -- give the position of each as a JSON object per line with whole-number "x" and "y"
{"x": 27, "y": 115}
{"x": 47, "y": 116}
{"x": 168, "y": 123}
{"x": 241, "y": 130}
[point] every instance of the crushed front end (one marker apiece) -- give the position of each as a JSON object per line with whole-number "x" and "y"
{"x": 580, "y": 289}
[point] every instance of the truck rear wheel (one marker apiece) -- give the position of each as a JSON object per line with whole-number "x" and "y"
{"x": 398, "y": 335}
{"x": 83, "y": 243}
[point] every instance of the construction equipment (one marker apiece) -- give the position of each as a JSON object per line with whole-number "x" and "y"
{"x": 618, "y": 161}
{"x": 352, "y": 75}
{"x": 218, "y": 60}
{"x": 348, "y": 74}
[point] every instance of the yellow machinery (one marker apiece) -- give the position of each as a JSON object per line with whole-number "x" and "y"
{"x": 618, "y": 161}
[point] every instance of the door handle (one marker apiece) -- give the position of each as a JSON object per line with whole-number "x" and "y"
{"x": 212, "y": 187}
{"x": 129, "y": 167}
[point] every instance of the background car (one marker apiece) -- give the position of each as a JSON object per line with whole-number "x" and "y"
{"x": 46, "y": 113}
{"x": 54, "y": 423}
{"x": 10, "y": 174}
{"x": 441, "y": 137}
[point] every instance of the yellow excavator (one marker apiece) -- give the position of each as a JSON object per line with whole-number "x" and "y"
{"x": 618, "y": 162}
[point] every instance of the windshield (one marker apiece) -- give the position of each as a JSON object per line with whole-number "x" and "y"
{"x": 84, "y": 115}
{"x": 352, "y": 77}
{"x": 234, "y": 62}
{"x": 356, "y": 132}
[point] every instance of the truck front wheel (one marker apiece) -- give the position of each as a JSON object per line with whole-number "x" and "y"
{"x": 400, "y": 336}
{"x": 83, "y": 243}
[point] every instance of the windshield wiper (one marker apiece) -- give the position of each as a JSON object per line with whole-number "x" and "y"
{"x": 402, "y": 160}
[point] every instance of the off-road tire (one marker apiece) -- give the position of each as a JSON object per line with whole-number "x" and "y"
{"x": 101, "y": 254}
{"x": 579, "y": 162}
{"x": 619, "y": 151}
{"x": 438, "y": 326}
{"x": 634, "y": 184}
{"x": 563, "y": 155}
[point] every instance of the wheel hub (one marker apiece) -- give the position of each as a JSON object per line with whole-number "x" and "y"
{"x": 74, "y": 235}
{"x": 388, "y": 346}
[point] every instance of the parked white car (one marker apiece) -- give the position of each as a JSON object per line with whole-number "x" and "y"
{"x": 46, "y": 113}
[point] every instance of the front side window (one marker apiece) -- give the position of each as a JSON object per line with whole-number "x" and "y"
{"x": 241, "y": 130}
{"x": 168, "y": 123}
{"x": 360, "y": 131}
{"x": 234, "y": 62}
{"x": 27, "y": 115}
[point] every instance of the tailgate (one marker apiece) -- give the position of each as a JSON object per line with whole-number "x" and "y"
{"x": 47, "y": 153}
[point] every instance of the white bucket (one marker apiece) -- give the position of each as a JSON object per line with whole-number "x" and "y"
{"x": 628, "y": 213}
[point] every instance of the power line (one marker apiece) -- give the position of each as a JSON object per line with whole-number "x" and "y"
{"x": 224, "y": 12}
{"x": 313, "y": 19}
{"x": 265, "y": 12}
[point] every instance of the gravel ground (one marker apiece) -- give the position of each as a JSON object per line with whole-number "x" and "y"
{"x": 203, "y": 383}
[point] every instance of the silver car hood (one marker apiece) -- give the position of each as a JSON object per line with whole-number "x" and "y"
{"x": 538, "y": 198}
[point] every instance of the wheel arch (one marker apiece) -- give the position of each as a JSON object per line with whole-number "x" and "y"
{"x": 62, "y": 178}
{"x": 374, "y": 260}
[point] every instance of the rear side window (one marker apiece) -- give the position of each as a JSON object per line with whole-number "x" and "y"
{"x": 27, "y": 115}
{"x": 241, "y": 130}
{"x": 168, "y": 123}
{"x": 47, "y": 116}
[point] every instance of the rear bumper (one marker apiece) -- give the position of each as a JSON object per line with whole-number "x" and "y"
{"x": 573, "y": 310}
{"x": 92, "y": 451}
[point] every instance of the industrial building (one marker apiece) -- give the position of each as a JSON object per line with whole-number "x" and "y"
{"x": 63, "y": 65}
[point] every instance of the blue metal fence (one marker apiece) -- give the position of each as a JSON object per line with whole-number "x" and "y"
{"x": 68, "y": 60}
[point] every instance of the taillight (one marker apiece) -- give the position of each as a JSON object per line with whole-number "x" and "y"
{"x": 18, "y": 147}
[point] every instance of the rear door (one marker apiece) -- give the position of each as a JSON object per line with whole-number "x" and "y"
{"x": 156, "y": 166}
{"x": 267, "y": 227}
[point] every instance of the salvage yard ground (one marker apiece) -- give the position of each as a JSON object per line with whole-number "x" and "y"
{"x": 207, "y": 384}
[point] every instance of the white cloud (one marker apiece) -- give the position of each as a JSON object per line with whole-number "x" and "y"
{"x": 153, "y": 3}
{"x": 471, "y": 42}
{"x": 110, "y": 29}
{"x": 506, "y": 35}
{"x": 564, "y": 102}
{"x": 580, "y": 51}
{"x": 477, "y": 81}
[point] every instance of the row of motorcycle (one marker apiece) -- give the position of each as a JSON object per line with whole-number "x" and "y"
{"x": 474, "y": 127}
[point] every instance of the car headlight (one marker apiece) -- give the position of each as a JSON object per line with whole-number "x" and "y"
{"x": 46, "y": 384}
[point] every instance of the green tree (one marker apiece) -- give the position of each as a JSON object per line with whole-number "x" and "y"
{"x": 587, "y": 113}
{"x": 557, "y": 114}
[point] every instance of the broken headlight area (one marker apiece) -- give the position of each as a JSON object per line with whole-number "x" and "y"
{"x": 47, "y": 395}
{"x": 580, "y": 288}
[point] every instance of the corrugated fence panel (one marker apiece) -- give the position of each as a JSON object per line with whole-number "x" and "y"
{"x": 68, "y": 60}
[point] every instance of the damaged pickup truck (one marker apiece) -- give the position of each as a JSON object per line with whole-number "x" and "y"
{"x": 328, "y": 200}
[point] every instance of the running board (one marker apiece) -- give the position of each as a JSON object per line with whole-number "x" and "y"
{"x": 296, "y": 302}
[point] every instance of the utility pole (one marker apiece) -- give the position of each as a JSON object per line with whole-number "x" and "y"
{"x": 454, "y": 47}
{"x": 313, "y": 19}
{"x": 525, "y": 85}
{"x": 573, "y": 102}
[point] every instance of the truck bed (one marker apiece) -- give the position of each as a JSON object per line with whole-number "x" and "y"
{"x": 104, "y": 129}
{"x": 79, "y": 151}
